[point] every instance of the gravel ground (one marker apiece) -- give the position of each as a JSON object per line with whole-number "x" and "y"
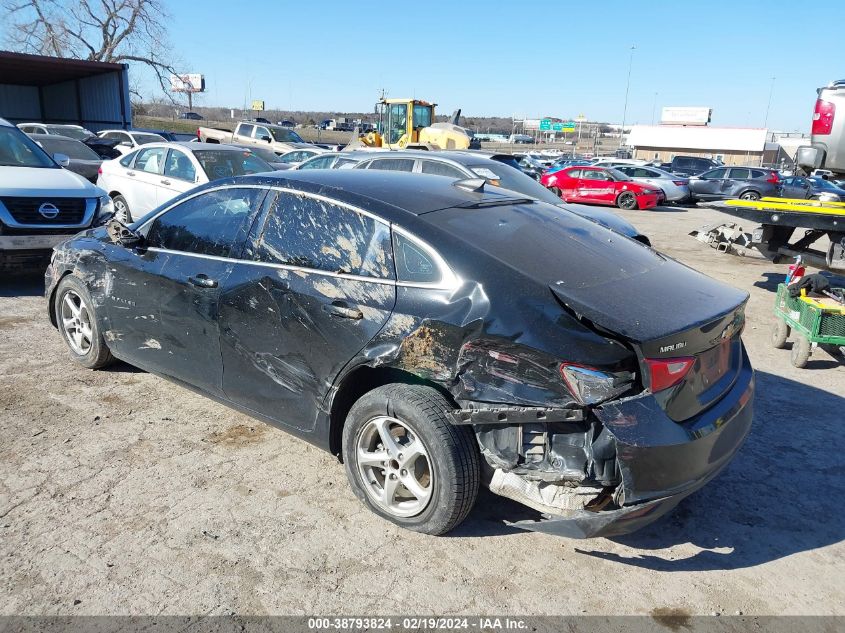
{"x": 121, "y": 493}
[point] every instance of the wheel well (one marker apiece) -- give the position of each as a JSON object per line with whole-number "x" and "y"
{"x": 112, "y": 194}
{"x": 51, "y": 304}
{"x": 358, "y": 382}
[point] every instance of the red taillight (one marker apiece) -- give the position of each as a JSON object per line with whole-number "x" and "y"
{"x": 198, "y": 134}
{"x": 823, "y": 117}
{"x": 679, "y": 183}
{"x": 773, "y": 178}
{"x": 667, "y": 372}
{"x": 100, "y": 170}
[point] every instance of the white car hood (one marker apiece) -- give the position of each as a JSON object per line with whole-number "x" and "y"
{"x": 45, "y": 182}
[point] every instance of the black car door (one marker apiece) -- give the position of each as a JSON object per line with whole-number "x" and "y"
{"x": 201, "y": 236}
{"x": 319, "y": 286}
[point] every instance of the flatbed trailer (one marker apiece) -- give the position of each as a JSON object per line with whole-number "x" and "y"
{"x": 779, "y": 237}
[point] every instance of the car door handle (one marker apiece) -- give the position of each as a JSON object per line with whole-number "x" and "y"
{"x": 203, "y": 281}
{"x": 165, "y": 181}
{"x": 341, "y": 309}
{"x": 130, "y": 173}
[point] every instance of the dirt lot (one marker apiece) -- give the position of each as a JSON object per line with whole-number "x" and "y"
{"x": 122, "y": 493}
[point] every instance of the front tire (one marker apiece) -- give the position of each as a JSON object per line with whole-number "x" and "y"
{"x": 750, "y": 195}
{"x": 626, "y": 200}
{"x": 77, "y": 322}
{"x": 406, "y": 462}
{"x": 801, "y": 350}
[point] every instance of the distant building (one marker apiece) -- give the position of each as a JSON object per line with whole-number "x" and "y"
{"x": 731, "y": 145}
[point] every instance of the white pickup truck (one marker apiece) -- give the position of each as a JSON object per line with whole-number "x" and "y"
{"x": 275, "y": 137}
{"x": 41, "y": 204}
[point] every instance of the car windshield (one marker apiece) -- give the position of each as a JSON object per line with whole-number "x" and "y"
{"x": 821, "y": 183}
{"x": 502, "y": 175}
{"x": 78, "y": 133}
{"x": 617, "y": 175}
{"x": 284, "y": 135}
{"x": 265, "y": 154}
{"x": 218, "y": 163}
{"x": 68, "y": 147}
{"x": 143, "y": 139}
{"x": 18, "y": 150}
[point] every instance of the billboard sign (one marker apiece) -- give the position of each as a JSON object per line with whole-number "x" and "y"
{"x": 685, "y": 115}
{"x": 192, "y": 82}
{"x": 258, "y": 106}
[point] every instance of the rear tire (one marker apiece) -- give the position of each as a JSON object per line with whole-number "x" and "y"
{"x": 780, "y": 333}
{"x": 76, "y": 319}
{"x": 627, "y": 200}
{"x": 438, "y": 461}
{"x": 556, "y": 191}
{"x": 121, "y": 210}
{"x": 801, "y": 351}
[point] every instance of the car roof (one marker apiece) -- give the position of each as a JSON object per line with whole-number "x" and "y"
{"x": 377, "y": 189}
{"x": 51, "y": 137}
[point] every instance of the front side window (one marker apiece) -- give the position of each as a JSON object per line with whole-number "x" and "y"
{"x": 282, "y": 135}
{"x": 397, "y": 164}
{"x": 211, "y": 223}
{"x": 436, "y": 168}
{"x": 714, "y": 174}
{"x": 261, "y": 133}
{"x": 310, "y": 233}
{"x": 595, "y": 174}
{"x": 151, "y": 160}
{"x": 179, "y": 166}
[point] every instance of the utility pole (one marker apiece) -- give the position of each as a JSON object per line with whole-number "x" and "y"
{"x": 627, "y": 87}
{"x": 769, "y": 104}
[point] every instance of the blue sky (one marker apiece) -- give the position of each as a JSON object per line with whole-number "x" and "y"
{"x": 533, "y": 58}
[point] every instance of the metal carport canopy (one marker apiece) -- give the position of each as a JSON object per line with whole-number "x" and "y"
{"x": 38, "y": 88}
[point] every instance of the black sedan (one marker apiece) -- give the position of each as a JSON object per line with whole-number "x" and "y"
{"x": 83, "y": 160}
{"x": 813, "y": 188}
{"x": 418, "y": 326}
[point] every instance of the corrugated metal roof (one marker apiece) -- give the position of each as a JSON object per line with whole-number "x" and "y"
{"x": 37, "y": 70}
{"x": 739, "y": 139}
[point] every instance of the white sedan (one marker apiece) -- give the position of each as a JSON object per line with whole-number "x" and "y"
{"x": 156, "y": 173}
{"x": 129, "y": 139}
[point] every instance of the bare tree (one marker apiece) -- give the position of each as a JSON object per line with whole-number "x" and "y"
{"x": 118, "y": 31}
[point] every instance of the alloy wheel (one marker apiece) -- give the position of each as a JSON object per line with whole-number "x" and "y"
{"x": 121, "y": 211}
{"x": 627, "y": 201}
{"x": 76, "y": 323}
{"x": 394, "y": 466}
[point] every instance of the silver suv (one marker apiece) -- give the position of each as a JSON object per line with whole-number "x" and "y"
{"x": 827, "y": 143}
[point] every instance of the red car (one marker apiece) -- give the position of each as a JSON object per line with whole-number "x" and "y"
{"x": 602, "y": 185}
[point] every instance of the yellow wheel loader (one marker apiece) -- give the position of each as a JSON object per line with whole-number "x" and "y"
{"x": 409, "y": 124}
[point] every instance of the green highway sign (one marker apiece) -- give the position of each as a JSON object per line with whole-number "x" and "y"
{"x": 568, "y": 126}
{"x": 545, "y": 125}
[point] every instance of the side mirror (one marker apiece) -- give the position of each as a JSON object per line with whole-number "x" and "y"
{"x": 121, "y": 234}
{"x": 62, "y": 159}
{"x": 266, "y": 138}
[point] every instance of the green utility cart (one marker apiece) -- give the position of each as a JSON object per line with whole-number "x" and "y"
{"x": 815, "y": 321}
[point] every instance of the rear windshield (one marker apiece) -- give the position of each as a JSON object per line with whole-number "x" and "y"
{"x": 79, "y": 134}
{"x": 68, "y": 147}
{"x": 692, "y": 163}
{"x": 284, "y": 135}
{"x": 265, "y": 154}
{"x": 217, "y": 163}
{"x": 18, "y": 150}
{"x": 143, "y": 139}
{"x": 508, "y": 177}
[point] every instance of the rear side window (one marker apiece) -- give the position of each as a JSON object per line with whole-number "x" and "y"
{"x": 323, "y": 162}
{"x": 127, "y": 160}
{"x": 244, "y": 129}
{"x": 211, "y": 223}
{"x": 758, "y": 173}
{"x": 398, "y": 164}
{"x": 740, "y": 174}
{"x": 413, "y": 261}
{"x": 310, "y": 233}
{"x": 441, "y": 169}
